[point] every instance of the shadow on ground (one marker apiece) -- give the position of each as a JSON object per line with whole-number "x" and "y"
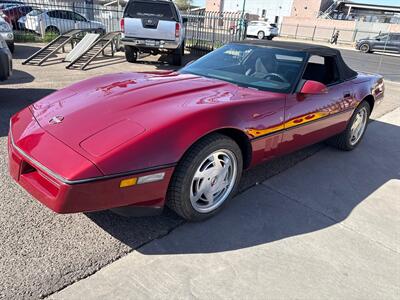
{"x": 263, "y": 215}
{"x": 18, "y": 77}
{"x": 23, "y": 51}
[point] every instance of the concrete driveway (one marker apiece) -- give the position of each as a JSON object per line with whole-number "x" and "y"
{"x": 327, "y": 228}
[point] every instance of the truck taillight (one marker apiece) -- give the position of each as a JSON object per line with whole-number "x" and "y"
{"x": 122, "y": 23}
{"x": 177, "y": 30}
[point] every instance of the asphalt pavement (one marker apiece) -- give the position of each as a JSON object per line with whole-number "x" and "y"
{"x": 41, "y": 252}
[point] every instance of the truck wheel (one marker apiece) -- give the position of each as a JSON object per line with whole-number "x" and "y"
{"x": 131, "y": 54}
{"x": 177, "y": 57}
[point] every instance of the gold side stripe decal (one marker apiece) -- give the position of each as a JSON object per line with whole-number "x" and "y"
{"x": 254, "y": 132}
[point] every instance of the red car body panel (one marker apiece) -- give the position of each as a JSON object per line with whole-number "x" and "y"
{"x": 134, "y": 124}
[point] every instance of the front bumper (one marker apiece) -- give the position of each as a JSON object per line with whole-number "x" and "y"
{"x": 40, "y": 178}
{"x": 148, "y": 43}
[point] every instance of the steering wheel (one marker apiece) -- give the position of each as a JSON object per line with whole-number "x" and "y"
{"x": 276, "y": 75}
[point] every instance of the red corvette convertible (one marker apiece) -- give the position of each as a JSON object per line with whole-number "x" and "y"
{"x": 134, "y": 142}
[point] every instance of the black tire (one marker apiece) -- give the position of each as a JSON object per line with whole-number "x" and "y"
{"x": 178, "y": 195}
{"x": 342, "y": 140}
{"x": 11, "y": 46}
{"x": 53, "y": 30}
{"x": 365, "y": 48}
{"x": 131, "y": 54}
{"x": 270, "y": 37}
{"x": 177, "y": 56}
{"x": 260, "y": 35}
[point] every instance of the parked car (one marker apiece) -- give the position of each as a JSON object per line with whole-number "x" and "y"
{"x": 140, "y": 141}
{"x": 7, "y": 5}
{"x": 10, "y": 3}
{"x": 5, "y": 60}
{"x": 153, "y": 26}
{"x": 14, "y": 13}
{"x": 59, "y": 21}
{"x": 262, "y": 29}
{"x": 383, "y": 42}
{"x": 7, "y": 34}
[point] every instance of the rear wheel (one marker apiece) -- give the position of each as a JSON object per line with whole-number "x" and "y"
{"x": 260, "y": 35}
{"x": 206, "y": 177}
{"x": 354, "y": 132}
{"x": 52, "y": 30}
{"x": 131, "y": 54}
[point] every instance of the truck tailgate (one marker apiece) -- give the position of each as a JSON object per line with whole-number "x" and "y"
{"x": 165, "y": 30}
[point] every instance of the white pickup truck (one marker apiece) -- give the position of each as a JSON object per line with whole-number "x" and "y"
{"x": 153, "y": 27}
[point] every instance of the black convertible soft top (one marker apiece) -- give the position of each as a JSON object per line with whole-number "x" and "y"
{"x": 345, "y": 71}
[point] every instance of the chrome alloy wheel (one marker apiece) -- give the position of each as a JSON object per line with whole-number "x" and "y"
{"x": 213, "y": 181}
{"x": 358, "y": 127}
{"x": 364, "y": 48}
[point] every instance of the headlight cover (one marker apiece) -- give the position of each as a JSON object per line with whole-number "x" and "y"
{"x": 4, "y": 27}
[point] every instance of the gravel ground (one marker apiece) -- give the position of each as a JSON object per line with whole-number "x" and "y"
{"x": 41, "y": 252}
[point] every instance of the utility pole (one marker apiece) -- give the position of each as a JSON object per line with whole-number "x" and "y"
{"x": 244, "y": 8}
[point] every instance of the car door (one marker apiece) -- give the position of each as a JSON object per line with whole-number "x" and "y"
{"x": 252, "y": 29}
{"x": 80, "y": 21}
{"x": 313, "y": 118}
{"x": 381, "y": 42}
{"x": 395, "y": 42}
{"x": 67, "y": 20}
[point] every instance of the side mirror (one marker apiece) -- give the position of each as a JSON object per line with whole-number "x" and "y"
{"x": 185, "y": 19}
{"x": 312, "y": 87}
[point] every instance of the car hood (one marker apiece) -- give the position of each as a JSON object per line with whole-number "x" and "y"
{"x": 125, "y": 105}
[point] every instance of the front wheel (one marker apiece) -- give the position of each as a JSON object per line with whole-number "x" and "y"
{"x": 354, "y": 132}
{"x": 11, "y": 46}
{"x": 365, "y": 48}
{"x": 206, "y": 177}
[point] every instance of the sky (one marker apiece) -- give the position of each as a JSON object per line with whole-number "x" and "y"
{"x": 382, "y": 2}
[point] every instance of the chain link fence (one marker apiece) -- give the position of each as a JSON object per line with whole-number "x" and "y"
{"x": 43, "y": 20}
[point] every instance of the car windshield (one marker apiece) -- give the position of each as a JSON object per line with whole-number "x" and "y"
{"x": 35, "y": 12}
{"x": 259, "y": 67}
